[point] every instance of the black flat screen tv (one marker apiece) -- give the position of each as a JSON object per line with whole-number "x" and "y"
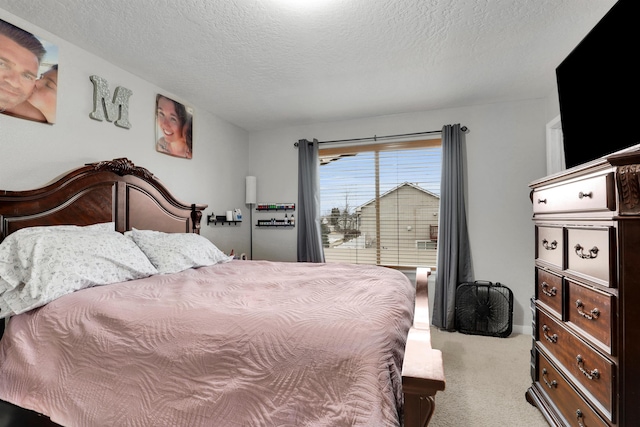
{"x": 599, "y": 87}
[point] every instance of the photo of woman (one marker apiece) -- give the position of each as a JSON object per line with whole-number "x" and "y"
{"x": 28, "y": 75}
{"x": 174, "y": 123}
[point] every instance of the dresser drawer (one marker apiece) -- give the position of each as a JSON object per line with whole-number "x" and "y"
{"x": 594, "y": 372}
{"x": 590, "y": 253}
{"x": 569, "y": 403}
{"x": 549, "y": 290}
{"x": 550, "y": 244}
{"x": 584, "y": 195}
{"x": 592, "y": 311}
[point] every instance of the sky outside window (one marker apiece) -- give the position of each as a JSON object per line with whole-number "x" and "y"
{"x": 353, "y": 178}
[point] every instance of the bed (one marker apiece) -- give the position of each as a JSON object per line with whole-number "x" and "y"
{"x": 179, "y": 334}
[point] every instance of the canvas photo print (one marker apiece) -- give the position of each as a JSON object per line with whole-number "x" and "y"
{"x": 174, "y": 127}
{"x": 28, "y": 75}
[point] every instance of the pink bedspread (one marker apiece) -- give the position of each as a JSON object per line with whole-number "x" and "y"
{"x": 246, "y": 343}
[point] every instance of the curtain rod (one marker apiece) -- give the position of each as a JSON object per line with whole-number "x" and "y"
{"x": 376, "y": 138}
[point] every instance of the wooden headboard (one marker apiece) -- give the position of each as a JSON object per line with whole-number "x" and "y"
{"x": 114, "y": 190}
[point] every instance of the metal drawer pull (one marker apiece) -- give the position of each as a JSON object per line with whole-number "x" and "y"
{"x": 553, "y": 338}
{"x": 549, "y": 247}
{"x": 551, "y": 292}
{"x": 583, "y": 195}
{"x": 580, "y": 417}
{"x": 552, "y": 384}
{"x": 594, "y": 374}
{"x": 592, "y": 315}
{"x": 593, "y": 252}
{"x": 542, "y": 201}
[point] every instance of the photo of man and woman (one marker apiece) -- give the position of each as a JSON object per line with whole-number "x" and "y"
{"x": 174, "y": 123}
{"x": 28, "y": 75}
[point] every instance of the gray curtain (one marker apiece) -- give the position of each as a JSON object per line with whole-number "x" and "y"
{"x": 454, "y": 254}
{"x": 308, "y": 221}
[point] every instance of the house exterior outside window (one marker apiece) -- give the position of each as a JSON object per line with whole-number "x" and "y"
{"x": 380, "y": 204}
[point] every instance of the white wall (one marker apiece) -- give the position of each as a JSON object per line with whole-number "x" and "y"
{"x": 31, "y": 154}
{"x": 505, "y": 151}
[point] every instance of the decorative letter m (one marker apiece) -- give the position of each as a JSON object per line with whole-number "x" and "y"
{"x": 116, "y": 109}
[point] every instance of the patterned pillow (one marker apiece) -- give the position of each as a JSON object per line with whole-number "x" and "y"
{"x": 5, "y": 310}
{"x": 106, "y": 226}
{"x": 174, "y": 252}
{"x": 40, "y": 264}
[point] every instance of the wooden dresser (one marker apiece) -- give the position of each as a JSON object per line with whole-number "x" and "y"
{"x": 586, "y": 351}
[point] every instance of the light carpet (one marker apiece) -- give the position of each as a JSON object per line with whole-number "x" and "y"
{"x": 486, "y": 381}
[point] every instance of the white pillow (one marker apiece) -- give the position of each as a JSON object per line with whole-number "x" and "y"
{"x": 174, "y": 252}
{"x": 4, "y": 285}
{"x": 5, "y": 310}
{"x": 40, "y": 264}
{"x": 105, "y": 226}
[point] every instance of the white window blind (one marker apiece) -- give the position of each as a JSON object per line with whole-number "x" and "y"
{"x": 380, "y": 203}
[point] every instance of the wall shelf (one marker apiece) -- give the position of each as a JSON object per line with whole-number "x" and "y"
{"x": 222, "y": 220}
{"x": 285, "y": 222}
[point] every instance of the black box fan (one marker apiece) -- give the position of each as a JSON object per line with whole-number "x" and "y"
{"x": 484, "y": 308}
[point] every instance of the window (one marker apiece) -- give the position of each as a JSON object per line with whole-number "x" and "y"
{"x": 425, "y": 244}
{"x": 380, "y": 203}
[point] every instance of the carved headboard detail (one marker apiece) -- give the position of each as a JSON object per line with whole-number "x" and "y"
{"x": 123, "y": 166}
{"x": 114, "y": 190}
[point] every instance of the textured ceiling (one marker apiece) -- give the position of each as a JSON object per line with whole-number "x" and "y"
{"x": 264, "y": 64}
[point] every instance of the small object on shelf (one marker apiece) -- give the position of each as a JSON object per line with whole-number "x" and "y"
{"x": 275, "y": 206}
{"x": 292, "y": 220}
{"x": 220, "y": 219}
{"x": 273, "y": 222}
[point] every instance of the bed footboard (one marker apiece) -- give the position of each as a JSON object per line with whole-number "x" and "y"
{"x": 422, "y": 370}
